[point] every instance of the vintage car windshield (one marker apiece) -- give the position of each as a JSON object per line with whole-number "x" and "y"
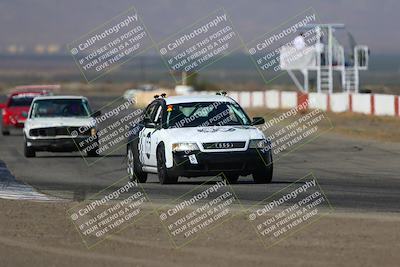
{"x": 60, "y": 108}
{"x": 205, "y": 114}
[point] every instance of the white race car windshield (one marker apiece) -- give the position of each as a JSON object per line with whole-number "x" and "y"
{"x": 48, "y": 108}
{"x": 203, "y": 114}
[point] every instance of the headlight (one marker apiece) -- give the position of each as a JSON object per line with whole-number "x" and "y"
{"x": 258, "y": 143}
{"x": 184, "y": 146}
{"x": 93, "y": 131}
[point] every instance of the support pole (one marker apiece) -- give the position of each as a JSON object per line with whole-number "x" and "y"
{"x": 330, "y": 52}
{"x": 296, "y": 81}
{"x": 305, "y": 75}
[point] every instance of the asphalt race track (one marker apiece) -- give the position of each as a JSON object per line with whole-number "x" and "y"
{"x": 355, "y": 174}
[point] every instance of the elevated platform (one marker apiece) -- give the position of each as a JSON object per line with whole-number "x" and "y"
{"x": 324, "y": 58}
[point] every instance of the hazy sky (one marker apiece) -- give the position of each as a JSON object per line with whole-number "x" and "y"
{"x": 372, "y": 22}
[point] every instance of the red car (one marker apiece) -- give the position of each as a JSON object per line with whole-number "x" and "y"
{"x": 16, "y": 108}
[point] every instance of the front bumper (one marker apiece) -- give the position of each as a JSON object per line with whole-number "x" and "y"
{"x": 213, "y": 163}
{"x": 57, "y": 144}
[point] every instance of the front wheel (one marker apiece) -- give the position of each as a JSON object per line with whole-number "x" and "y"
{"x": 92, "y": 150}
{"x": 231, "y": 178}
{"x": 29, "y": 152}
{"x": 4, "y": 130}
{"x": 163, "y": 175}
{"x": 263, "y": 175}
{"x": 92, "y": 153}
{"x": 133, "y": 168}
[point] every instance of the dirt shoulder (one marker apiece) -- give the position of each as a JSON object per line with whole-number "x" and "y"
{"x": 40, "y": 234}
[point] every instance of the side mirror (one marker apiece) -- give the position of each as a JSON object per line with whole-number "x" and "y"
{"x": 2, "y": 105}
{"x": 149, "y": 125}
{"x": 258, "y": 121}
{"x": 97, "y": 114}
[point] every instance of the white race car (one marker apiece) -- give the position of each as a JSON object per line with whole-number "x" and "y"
{"x": 59, "y": 124}
{"x": 196, "y": 136}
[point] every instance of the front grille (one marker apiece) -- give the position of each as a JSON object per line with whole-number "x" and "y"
{"x": 56, "y": 131}
{"x": 224, "y": 145}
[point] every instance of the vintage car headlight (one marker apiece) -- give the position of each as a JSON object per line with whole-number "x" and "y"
{"x": 258, "y": 143}
{"x": 93, "y": 132}
{"x": 184, "y": 147}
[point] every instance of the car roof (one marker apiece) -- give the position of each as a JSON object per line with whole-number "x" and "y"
{"x": 21, "y": 92}
{"x": 197, "y": 98}
{"x": 38, "y": 87}
{"x": 59, "y": 97}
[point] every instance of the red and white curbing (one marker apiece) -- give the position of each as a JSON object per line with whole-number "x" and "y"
{"x": 371, "y": 104}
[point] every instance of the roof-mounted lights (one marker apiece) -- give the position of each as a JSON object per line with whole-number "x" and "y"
{"x": 163, "y": 95}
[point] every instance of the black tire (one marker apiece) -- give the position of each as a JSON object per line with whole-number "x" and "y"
{"x": 29, "y": 152}
{"x": 133, "y": 167}
{"x": 5, "y": 132}
{"x": 231, "y": 178}
{"x": 163, "y": 175}
{"x": 92, "y": 153}
{"x": 263, "y": 176}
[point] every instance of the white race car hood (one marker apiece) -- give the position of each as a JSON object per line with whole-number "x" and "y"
{"x": 213, "y": 134}
{"x": 58, "y": 122}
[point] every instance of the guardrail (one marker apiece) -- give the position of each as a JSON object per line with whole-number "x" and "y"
{"x": 371, "y": 104}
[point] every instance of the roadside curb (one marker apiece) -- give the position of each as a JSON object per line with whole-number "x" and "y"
{"x": 11, "y": 188}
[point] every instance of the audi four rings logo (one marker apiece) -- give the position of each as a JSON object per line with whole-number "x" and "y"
{"x": 223, "y": 145}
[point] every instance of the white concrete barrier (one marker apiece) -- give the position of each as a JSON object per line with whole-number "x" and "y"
{"x": 245, "y": 99}
{"x": 272, "y": 99}
{"x": 288, "y": 100}
{"x": 374, "y": 104}
{"x": 318, "y": 101}
{"x": 257, "y": 99}
{"x": 384, "y": 105}
{"x": 339, "y": 102}
{"x": 361, "y": 103}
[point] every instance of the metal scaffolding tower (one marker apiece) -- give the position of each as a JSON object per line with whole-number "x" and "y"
{"x": 325, "y": 58}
